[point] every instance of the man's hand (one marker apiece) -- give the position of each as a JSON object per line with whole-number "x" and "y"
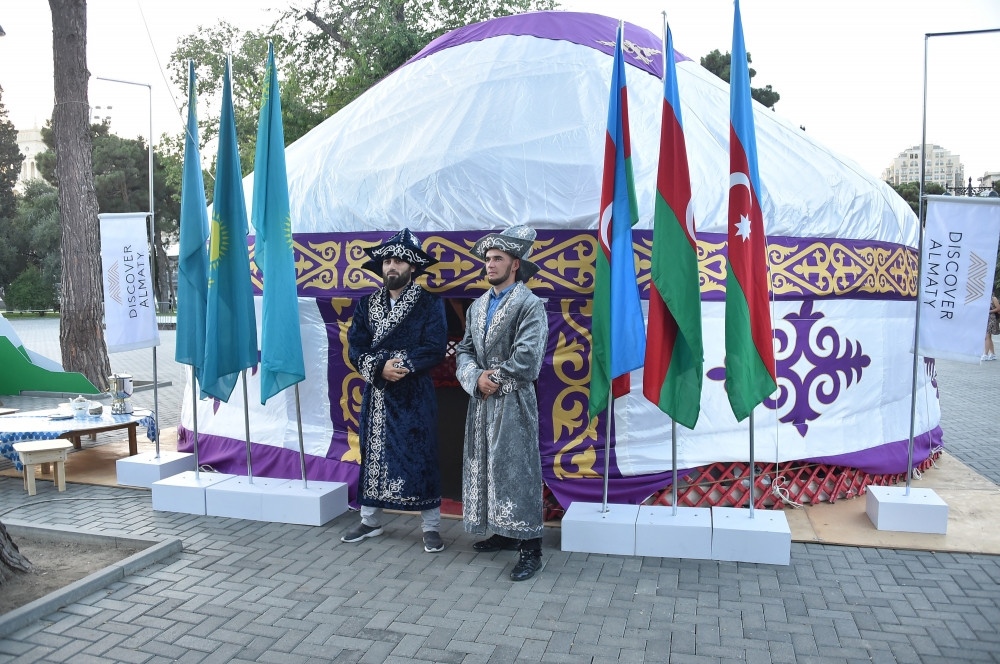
{"x": 394, "y": 370}
{"x": 485, "y": 385}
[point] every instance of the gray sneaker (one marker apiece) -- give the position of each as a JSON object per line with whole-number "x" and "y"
{"x": 360, "y": 532}
{"x": 433, "y": 542}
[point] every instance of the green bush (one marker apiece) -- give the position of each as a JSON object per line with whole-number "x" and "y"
{"x": 30, "y": 291}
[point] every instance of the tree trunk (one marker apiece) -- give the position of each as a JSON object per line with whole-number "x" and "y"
{"x": 81, "y": 332}
{"x": 11, "y": 560}
{"x": 164, "y": 284}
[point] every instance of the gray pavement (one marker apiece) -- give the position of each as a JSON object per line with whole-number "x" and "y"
{"x": 244, "y": 591}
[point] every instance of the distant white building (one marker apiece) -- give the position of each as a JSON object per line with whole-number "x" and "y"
{"x": 29, "y": 142}
{"x": 989, "y": 178}
{"x": 942, "y": 167}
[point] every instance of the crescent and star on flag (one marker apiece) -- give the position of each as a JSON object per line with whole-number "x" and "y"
{"x": 743, "y": 225}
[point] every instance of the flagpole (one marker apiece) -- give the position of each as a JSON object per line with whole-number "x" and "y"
{"x": 673, "y": 423}
{"x": 246, "y": 421}
{"x": 753, "y": 479}
{"x": 673, "y": 452}
{"x": 302, "y": 447}
{"x": 194, "y": 412}
{"x": 607, "y": 447}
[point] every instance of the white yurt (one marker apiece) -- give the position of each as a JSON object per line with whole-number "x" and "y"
{"x": 502, "y": 123}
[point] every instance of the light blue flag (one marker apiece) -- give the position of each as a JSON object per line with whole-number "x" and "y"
{"x": 230, "y": 325}
{"x": 192, "y": 258}
{"x": 281, "y": 362}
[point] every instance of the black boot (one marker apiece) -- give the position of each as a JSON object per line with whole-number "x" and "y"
{"x": 529, "y": 560}
{"x": 496, "y": 543}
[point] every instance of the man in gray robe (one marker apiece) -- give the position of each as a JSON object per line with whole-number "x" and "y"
{"x": 498, "y": 361}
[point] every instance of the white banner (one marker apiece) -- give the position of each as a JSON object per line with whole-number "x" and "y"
{"x": 129, "y": 304}
{"x": 956, "y": 276}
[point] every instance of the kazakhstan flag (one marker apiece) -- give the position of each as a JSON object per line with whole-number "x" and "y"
{"x": 230, "y": 326}
{"x": 281, "y": 362}
{"x": 192, "y": 258}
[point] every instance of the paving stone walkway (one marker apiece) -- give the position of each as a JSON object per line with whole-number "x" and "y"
{"x": 244, "y": 591}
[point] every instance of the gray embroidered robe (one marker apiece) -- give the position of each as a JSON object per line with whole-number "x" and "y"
{"x": 502, "y": 471}
{"x": 398, "y": 420}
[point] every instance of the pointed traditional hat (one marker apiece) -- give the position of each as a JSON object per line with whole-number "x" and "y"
{"x": 516, "y": 241}
{"x": 405, "y": 246}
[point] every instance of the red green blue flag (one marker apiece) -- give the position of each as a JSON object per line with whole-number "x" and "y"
{"x": 750, "y": 376}
{"x": 618, "y": 338}
{"x": 672, "y": 377}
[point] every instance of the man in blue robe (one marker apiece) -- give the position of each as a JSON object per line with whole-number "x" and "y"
{"x": 397, "y": 335}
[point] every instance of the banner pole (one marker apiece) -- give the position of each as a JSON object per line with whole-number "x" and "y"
{"x": 302, "y": 447}
{"x": 920, "y": 265}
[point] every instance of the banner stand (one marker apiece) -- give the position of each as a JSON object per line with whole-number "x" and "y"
{"x": 898, "y": 508}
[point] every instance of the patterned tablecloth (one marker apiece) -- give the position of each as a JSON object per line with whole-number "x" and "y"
{"x": 39, "y": 425}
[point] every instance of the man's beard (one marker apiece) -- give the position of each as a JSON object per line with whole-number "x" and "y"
{"x": 496, "y": 281}
{"x": 397, "y": 281}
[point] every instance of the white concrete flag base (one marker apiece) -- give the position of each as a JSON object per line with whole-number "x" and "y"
{"x": 923, "y": 511}
{"x": 312, "y": 505}
{"x": 185, "y": 492}
{"x": 587, "y": 527}
{"x": 661, "y": 533}
{"x": 240, "y": 497}
{"x": 145, "y": 468}
{"x": 766, "y": 538}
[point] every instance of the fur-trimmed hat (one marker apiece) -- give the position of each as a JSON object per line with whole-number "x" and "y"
{"x": 405, "y": 246}
{"x": 516, "y": 241}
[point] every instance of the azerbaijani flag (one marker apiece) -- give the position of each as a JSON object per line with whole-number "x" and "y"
{"x": 230, "y": 322}
{"x": 618, "y": 340}
{"x": 750, "y": 376}
{"x": 281, "y": 363}
{"x": 192, "y": 256}
{"x": 672, "y": 376}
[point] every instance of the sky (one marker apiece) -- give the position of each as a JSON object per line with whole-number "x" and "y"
{"x": 850, "y": 71}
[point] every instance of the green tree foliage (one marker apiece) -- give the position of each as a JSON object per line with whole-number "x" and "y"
{"x": 910, "y": 192}
{"x": 30, "y": 291}
{"x": 719, "y": 64}
{"x": 31, "y": 237}
{"x": 10, "y": 161}
{"x": 328, "y": 52}
{"x": 121, "y": 181}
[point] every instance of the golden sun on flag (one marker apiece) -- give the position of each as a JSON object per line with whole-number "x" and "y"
{"x": 287, "y": 227}
{"x": 219, "y": 243}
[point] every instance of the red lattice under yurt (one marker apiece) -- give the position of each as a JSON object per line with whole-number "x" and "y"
{"x": 727, "y": 484}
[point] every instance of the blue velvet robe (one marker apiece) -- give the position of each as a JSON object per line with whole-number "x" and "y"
{"x": 398, "y": 422}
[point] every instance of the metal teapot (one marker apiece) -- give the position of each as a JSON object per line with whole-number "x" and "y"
{"x": 120, "y": 388}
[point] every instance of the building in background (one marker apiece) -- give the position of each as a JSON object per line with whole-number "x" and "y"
{"x": 989, "y": 178}
{"x": 29, "y": 142}
{"x": 943, "y": 167}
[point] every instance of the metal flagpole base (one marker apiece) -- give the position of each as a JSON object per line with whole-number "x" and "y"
{"x": 906, "y": 510}
{"x": 185, "y": 492}
{"x": 763, "y": 537}
{"x": 600, "y": 528}
{"x": 145, "y": 468}
{"x": 664, "y": 531}
{"x": 308, "y": 504}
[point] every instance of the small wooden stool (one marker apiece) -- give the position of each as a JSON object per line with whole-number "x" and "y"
{"x": 44, "y": 452}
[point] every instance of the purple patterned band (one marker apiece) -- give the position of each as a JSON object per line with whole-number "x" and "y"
{"x": 331, "y": 265}
{"x": 642, "y": 49}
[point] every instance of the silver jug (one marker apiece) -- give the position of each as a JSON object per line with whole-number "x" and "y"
{"x": 120, "y": 389}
